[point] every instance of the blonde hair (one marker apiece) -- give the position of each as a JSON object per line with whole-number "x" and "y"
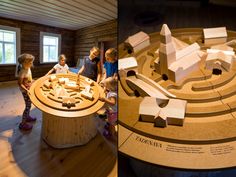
{"x": 96, "y": 49}
{"x": 111, "y": 83}
{"x": 23, "y": 58}
{"x": 111, "y": 53}
{"x": 61, "y": 57}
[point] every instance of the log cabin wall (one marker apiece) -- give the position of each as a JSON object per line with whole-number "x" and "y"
{"x": 91, "y": 36}
{"x": 30, "y": 43}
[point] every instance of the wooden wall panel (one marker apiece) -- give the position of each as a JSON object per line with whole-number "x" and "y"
{"x": 88, "y": 37}
{"x": 75, "y": 44}
{"x": 30, "y": 34}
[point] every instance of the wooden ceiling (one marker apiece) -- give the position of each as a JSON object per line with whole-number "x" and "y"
{"x": 68, "y": 14}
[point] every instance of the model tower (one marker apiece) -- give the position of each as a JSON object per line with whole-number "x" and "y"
{"x": 167, "y": 51}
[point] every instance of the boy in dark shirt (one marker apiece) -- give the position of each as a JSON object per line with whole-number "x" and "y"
{"x": 92, "y": 65}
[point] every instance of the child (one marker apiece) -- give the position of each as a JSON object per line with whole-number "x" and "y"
{"x": 25, "y": 81}
{"x": 92, "y": 65}
{"x": 111, "y": 64}
{"x": 111, "y": 104}
{"x": 60, "y": 67}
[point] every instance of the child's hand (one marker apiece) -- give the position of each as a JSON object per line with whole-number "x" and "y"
{"x": 28, "y": 92}
{"x": 101, "y": 99}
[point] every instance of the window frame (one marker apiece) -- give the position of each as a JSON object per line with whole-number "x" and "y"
{"x": 17, "y": 43}
{"x": 42, "y": 34}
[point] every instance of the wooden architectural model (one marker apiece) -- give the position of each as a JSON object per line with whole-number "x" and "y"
{"x": 68, "y": 109}
{"x": 173, "y": 113}
{"x": 176, "y": 64}
{"x": 137, "y": 41}
{"x": 204, "y": 104}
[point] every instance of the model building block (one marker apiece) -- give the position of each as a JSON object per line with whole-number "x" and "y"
{"x": 215, "y": 35}
{"x": 89, "y": 81}
{"x": 176, "y": 65}
{"x": 219, "y": 61}
{"x": 71, "y": 85}
{"x": 60, "y": 92}
{"x": 150, "y": 110}
{"x": 52, "y": 78}
{"x": 47, "y": 84}
{"x": 63, "y": 80}
{"x": 167, "y": 51}
{"x": 127, "y": 63}
{"x": 86, "y": 93}
{"x": 219, "y": 32}
{"x": 138, "y": 41}
{"x": 68, "y": 102}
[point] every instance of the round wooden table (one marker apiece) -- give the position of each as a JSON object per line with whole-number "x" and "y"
{"x": 68, "y": 115}
{"x": 207, "y": 139}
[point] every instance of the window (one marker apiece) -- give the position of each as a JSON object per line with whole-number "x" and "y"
{"x": 9, "y": 44}
{"x": 50, "y": 47}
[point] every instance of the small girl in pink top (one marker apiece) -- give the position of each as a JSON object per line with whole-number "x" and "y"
{"x": 25, "y": 81}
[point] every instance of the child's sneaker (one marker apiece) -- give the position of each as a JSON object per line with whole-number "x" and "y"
{"x": 25, "y": 126}
{"x": 107, "y": 134}
{"x": 31, "y": 119}
{"x": 106, "y": 126}
{"x": 102, "y": 116}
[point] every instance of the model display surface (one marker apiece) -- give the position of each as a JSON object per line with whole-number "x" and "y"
{"x": 68, "y": 103}
{"x": 206, "y": 137}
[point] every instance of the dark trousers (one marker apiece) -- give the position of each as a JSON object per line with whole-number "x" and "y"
{"x": 27, "y": 105}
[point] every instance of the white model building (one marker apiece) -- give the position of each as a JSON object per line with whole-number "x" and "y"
{"x": 152, "y": 110}
{"x": 127, "y": 64}
{"x": 176, "y": 64}
{"x": 215, "y": 35}
{"x": 138, "y": 41}
{"x": 220, "y": 57}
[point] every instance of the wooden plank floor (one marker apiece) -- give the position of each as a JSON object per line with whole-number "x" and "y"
{"x": 26, "y": 154}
